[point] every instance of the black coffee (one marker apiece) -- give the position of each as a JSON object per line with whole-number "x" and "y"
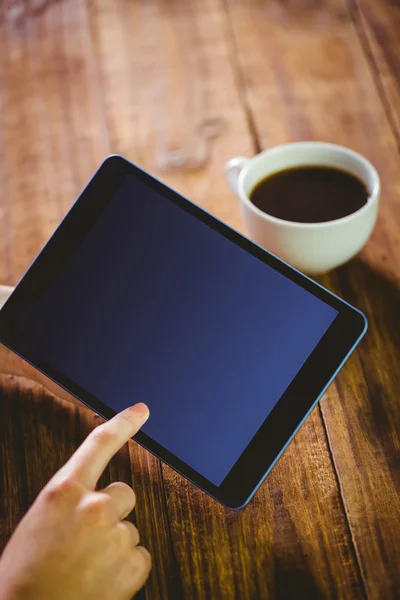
{"x": 310, "y": 194}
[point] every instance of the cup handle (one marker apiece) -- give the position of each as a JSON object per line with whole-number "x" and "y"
{"x": 233, "y": 168}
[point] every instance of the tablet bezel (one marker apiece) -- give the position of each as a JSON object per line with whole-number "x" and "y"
{"x": 293, "y": 407}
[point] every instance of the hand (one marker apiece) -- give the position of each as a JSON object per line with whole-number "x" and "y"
{"x": 73, "y": 543}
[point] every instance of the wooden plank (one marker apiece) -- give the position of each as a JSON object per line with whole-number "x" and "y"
{"x": 291, "y": 541}
{"x": 163, "y": 102}
{"x": 4, "y": 213}
{"x": 307, "y": 78}
{"x": 52, "y": 137}
{"x": 36, "y": 438}
{"x": 51, "y": 123}
{"x": 379, "y": 27}
{"x": 30, "y": 203}
{"x": 364, "y": 432}
{"x": 277, "y": 544}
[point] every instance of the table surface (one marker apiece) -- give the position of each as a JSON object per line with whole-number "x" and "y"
{"x": 180, "y": 87}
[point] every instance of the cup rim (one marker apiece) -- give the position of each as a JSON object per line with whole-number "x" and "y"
{"x": 372, "y": 198}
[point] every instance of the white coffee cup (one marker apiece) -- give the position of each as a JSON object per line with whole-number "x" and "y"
{"x": 313, "y": 248}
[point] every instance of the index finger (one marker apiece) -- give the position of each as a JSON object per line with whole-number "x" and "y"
{"x": 94, "y": 454}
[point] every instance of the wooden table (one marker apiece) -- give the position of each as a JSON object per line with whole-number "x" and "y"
{"x": 179, "y": 87}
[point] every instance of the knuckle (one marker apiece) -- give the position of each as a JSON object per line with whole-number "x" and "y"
{"x": 60, "y": 489}
{"x": 98, "y": 506}
{"x": 102, "y": 502}
{"x": 101, "y": 435}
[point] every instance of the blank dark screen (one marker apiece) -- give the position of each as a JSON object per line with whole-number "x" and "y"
{"x": 155, "y": 306}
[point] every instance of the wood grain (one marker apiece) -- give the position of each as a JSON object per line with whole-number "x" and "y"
{"x": 170, "y": 101}
{"x": 379, "y": 26}
{"x": 180, "y": 87}
{"x": 291, "y": 541}
{"x": 51, "y": 141}
{"x": 364, "y": 432}
{"x": 208, "y": 568}
{"x": 316, "y": 74}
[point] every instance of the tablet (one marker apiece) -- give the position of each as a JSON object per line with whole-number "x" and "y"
{"x": 140, "y": 295}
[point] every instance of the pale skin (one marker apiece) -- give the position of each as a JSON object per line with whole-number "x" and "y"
{"x": 74, "y": 542}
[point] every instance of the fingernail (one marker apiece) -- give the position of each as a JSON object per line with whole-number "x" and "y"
{"x": 142, "y": 410}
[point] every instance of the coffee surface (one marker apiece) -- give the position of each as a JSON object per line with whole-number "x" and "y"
{"x": 310, "y": 194}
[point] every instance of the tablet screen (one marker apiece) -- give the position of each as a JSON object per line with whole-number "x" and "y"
{"x": 155, "y": 306}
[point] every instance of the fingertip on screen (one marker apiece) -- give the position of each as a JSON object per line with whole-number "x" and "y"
{"x": 142, "y": 410}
